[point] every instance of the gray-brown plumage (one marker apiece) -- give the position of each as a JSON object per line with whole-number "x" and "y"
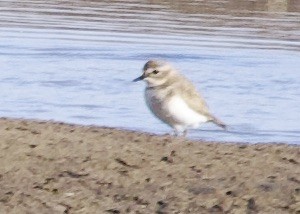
{"x": 173, "y": 98}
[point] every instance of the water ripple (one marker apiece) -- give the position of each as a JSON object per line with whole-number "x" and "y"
{"x": 74, "y": 61}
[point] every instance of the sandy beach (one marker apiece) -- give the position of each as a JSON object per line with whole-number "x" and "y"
{"x": 52, "y": 167}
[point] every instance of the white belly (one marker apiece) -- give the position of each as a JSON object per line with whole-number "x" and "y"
{"x": 173, "y": 111}
{"x": 184, "y": 114}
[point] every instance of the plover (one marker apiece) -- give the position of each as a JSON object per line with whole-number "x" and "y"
{"x": 174, "y": 99}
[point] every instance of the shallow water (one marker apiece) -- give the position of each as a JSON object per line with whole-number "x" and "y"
{"x": 73, "y": 61}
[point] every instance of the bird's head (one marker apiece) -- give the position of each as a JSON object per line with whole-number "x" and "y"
{"x": 156, "y": 73}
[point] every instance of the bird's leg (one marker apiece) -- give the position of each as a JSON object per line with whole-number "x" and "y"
{"x": 176, "y": 133}
{"x": 184, "y": 134}
{"x": 179, "y": 130}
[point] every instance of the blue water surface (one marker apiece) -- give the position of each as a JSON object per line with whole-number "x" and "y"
{"x": 75, "y": 63}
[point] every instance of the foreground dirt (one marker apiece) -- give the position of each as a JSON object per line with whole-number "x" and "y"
{"x": 49, "y": 167}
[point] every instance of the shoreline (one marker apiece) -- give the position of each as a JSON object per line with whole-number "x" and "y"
{"x": 138, "y": 132}
{"x": 66, "y": 168}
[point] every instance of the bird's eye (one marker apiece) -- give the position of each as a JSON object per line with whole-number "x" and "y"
{"x": 155, "y": 72}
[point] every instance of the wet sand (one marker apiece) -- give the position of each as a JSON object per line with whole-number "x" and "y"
{"x": 50, "y": 167}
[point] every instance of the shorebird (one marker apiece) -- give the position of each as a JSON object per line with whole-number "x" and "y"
{"x": 173, "y": 99}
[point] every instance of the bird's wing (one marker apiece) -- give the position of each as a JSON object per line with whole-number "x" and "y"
{"x": 195, "y": 101}
{"x": 192, "y": 97}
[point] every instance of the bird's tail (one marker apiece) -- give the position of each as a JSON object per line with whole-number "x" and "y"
{"x": 218, "y": 122}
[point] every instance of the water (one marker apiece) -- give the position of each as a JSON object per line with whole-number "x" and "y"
{"x": 73, "y": 61}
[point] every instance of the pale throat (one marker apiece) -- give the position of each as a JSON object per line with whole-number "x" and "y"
{"x": 151, "y": 82}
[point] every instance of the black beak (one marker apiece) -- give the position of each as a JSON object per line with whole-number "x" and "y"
{"x": 139, "y": 78}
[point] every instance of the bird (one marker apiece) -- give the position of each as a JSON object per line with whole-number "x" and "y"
{"x": 173, "y": 98}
